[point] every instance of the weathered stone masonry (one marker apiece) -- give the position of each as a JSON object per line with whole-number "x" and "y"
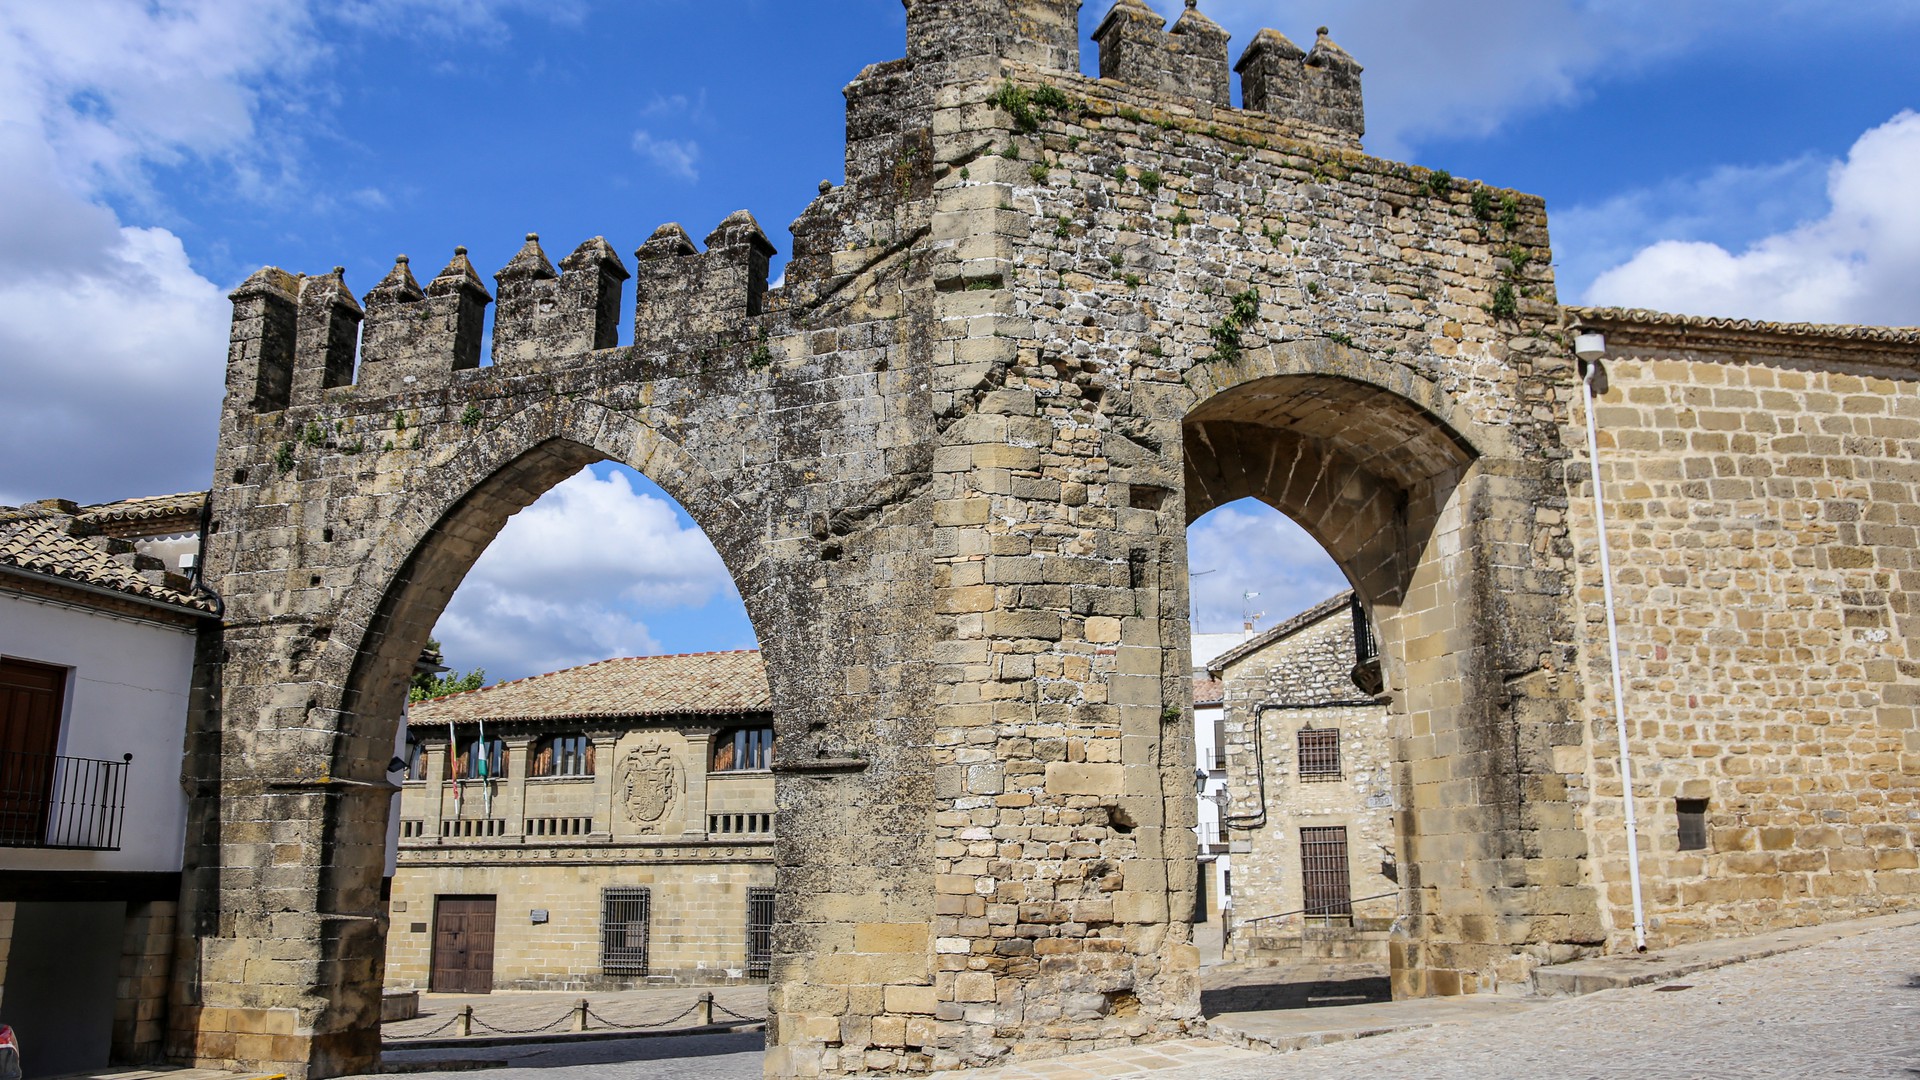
{"x": 1045, "y": 323}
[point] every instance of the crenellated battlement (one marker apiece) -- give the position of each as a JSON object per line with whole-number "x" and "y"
{"x": 1188, "y": 61}
{"x": 544, "y": 313}
{"x": 1319, "y": 88}
{"x": 294, "y": 337}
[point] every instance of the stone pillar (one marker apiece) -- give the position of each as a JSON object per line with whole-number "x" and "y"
{"x": 439, "y": 765}
{"x": 511, "y": 804}
{"x": 699, "y": 756}
{"x": 140, "y": 1004}
{"x": 606, "y": 744}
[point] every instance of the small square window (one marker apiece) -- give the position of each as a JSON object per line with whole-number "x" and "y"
{"x": 1319, "y": 753}
{"x": 1693, "y": 824}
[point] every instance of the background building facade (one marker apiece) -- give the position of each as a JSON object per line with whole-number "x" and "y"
{"x": 601, "y": 827}
{"x": 1309, "y": 774}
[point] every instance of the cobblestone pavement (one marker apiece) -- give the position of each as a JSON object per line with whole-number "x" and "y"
{"x": 1844, "y": 1009}
{"x": 519, "y": 1011}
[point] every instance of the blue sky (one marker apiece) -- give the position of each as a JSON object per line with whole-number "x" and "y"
{"x": 1746, "y": 157}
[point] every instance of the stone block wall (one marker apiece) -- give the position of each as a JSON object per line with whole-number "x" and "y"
{"x": 1762, "y": 501}
{"x": 697, "y": 897}
{"x": 140, "y": 1001}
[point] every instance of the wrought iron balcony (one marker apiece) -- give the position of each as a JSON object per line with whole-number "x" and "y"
{"x": 49, "y": 801}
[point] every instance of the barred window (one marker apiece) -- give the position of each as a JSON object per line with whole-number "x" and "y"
{"x": 1319, "y": 753}
{"x": 625, "y": 921}
{"x": 563, "y": 755}
{"x": 759, "y": 932}
{"x": 1324, "y": 878}
{"x": 743, "y": 748}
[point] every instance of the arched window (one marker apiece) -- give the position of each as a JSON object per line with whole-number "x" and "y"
{"x": 738, "y": 749}
{"x": 563, "y": 755}
{"x": 473, "y": 755}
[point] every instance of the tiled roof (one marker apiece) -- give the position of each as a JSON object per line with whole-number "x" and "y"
{"x": 40, "y": 539}
{"x": 1895, "y": 337}
{"x": 688, "y": 683}
{"x": 1208, "y": 691}
{"x": 1292, "y": 626}
{"x": 187, "y": 504}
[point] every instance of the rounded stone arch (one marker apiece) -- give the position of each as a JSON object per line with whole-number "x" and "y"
{"x": 413, "y": 567}
{"x": 1363, "y": 454}
{"x": 1431, "y": 515}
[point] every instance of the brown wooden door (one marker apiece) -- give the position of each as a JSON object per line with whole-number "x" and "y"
{"x": 462, "y": 945}
{"x": 30, "y": 699}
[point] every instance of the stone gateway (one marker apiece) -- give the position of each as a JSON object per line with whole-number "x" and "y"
{"x": 1045, "y": 323}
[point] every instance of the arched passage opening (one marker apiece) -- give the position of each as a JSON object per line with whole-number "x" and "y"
{"x": 597, "y": 822}
{"x": 291, "y": 858}
{"x": 1413, "y": 506}
{"x": 603, "y": 765}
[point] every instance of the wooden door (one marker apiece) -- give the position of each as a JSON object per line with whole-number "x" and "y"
{"x": 31, "y": 696}
{"x": 462, "y": 945}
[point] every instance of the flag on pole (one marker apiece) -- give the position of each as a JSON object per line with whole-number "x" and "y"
{"x": 453, "y": 767}
{"x": 485, "y": 769}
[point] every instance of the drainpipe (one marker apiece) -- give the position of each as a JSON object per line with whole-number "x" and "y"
{"x": 1591, "y": 347}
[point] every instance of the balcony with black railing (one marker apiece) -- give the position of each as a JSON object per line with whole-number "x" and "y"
{"x": 51, "y": 801}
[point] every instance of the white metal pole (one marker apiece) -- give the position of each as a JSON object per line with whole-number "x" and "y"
{"x": 1613, "y": 662}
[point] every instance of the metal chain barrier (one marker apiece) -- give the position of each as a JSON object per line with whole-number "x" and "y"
{"x": 714, "y": 1008}
{"x": 568, "y": 1015}
{"x": 719, "y": 1008}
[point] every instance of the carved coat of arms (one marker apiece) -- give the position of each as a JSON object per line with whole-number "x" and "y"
{"x": 648, "y": 785}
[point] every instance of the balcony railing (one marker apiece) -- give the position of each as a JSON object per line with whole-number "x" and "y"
{"x": 49, "y": 801}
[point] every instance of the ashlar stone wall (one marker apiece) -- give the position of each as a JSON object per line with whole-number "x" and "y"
{"x": 1762, "y": 501}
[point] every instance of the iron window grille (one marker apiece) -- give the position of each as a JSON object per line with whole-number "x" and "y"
{"x": 1319, "y": 750}
{"x": 625, "y": 923}
{"x": 1365, "y": 647}
{"x": 759, "y": 932}
{"x": 1327, "y": 886}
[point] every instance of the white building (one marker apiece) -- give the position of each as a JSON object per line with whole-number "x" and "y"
{"x": 97, "y": 634}
{"x": 1210, "y": 777}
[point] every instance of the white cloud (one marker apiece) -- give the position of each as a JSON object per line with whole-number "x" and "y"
{"x": 111, "y": 343}
{"x": 678, "y": 158}
{"x": 467, "y": 19}
{"x": 1856, "y": 263}
{"x": 1730, "y": 206}
{"x": 570, "y": 580}
{"x": 1248, "y": 546}
{"x": 1465, "y": 69}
